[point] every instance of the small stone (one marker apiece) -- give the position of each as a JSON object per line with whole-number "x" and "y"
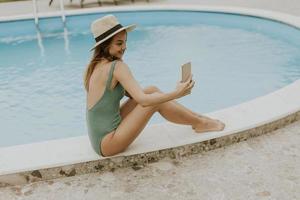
{"x": 99, "y": 167}
{"x": 67, "y": 183}
{"x": 90, "y": 185}
{"x": 112, "y": 169}
{"x": 28, "y": 193}
{"x": 151, "y": 159}
{"x": 62, "y": 172}
{"x": 72, "y": 173}
{"x": 36, "y": 173}
{"x": 129, "y": 188}
{"x": 212, "y": 141}
{"x": 108, "y": 177}
{"x": 163, "y": 165}
{"x": 176, "y": 162}
{"x": 292, "y": 178}
{"x": 50, "y": 182}
{"x": 137, "y": 167}
{"x": 16, "y": 189}
{"x": 170, "y": 186}
{"x": 263, "y": 194}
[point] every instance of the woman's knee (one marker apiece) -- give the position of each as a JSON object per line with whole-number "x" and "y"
{"x": 151, "y": 89}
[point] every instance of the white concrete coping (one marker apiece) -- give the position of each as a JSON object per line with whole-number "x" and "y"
{"x": 272, "y": 15}
{"x": 245, "y": 116}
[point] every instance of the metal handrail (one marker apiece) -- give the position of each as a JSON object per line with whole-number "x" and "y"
{"x": 66, "y": 39}
{"x": 40, "y": 41}
{"x": 35, "y": 11}
{"x": 62, "y": 9}
{"x": 36, "y": 19}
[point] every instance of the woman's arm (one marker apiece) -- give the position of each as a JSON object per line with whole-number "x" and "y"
{"x": 124, "y": 76}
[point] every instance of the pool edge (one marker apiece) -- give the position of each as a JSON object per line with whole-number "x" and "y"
{"x": 192, "y": 145}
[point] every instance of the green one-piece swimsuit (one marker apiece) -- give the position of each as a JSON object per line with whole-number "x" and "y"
{"x": 104, "y": 116}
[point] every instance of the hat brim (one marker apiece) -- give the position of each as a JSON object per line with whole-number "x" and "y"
{"x": 127, "y": 28}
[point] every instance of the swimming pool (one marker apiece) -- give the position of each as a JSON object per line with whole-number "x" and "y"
{"x": 235, "y": 58}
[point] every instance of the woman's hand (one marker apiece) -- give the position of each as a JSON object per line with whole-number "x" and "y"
{"x": 184, "y": 88}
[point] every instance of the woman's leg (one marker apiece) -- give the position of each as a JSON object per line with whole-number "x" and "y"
{"x": 129, "y": 128}
{"x": 180, "y": 115}
{"x": 132, "y": 125}
{"x": 171, "y": 111}
{"x": 130, "y": 104}
{"x": 135, "y": 118}
{"x": 202, "y": 118}
{"x": 127, "y": 107}
{"x": 183, "y": 115}
{"x": 177, "y": 113}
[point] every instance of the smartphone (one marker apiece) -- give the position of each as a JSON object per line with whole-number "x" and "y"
{"x": 185, "y": 71}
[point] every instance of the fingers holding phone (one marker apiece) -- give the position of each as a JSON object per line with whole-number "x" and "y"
{"x": 184, "y": 88}
{"x": 191, "y": 84}
{"x": 186, "y": 84}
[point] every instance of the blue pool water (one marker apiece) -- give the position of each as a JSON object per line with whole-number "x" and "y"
{"x": 234, "y": 59}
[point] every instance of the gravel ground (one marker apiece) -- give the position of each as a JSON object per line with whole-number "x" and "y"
{"x": 265, "y": 167}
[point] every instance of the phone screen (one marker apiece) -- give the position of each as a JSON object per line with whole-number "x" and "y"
{"x": 185, "y": 71}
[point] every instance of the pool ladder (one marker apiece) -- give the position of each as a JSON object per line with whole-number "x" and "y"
{"x": 35, "y": 11}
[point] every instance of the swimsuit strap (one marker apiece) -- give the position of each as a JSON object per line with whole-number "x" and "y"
{"x": 108, "y": 83}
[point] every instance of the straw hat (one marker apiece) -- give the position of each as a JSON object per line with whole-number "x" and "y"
{"x": 106, "y": 27}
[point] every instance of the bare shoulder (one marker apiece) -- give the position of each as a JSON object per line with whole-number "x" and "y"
{"x": 121, "y": 68}
{"x": 121, "y": 64}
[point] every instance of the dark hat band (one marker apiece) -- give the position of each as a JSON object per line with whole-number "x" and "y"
{"x": 107, "y": 33}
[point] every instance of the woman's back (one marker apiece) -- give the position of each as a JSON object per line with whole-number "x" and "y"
{"x": 97, "y": 83}
{"x": 104, "y": 116}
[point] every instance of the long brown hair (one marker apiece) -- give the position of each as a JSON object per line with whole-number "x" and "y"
{"x": 100, "y": 52}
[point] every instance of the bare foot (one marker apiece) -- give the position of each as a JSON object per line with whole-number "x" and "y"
{"x": 203, "y": 117}
{"x": 207, "y": 124}
{"x": 208, "y": 118}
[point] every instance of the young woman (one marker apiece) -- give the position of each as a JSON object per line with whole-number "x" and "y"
{"x": 107, "y": 79}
